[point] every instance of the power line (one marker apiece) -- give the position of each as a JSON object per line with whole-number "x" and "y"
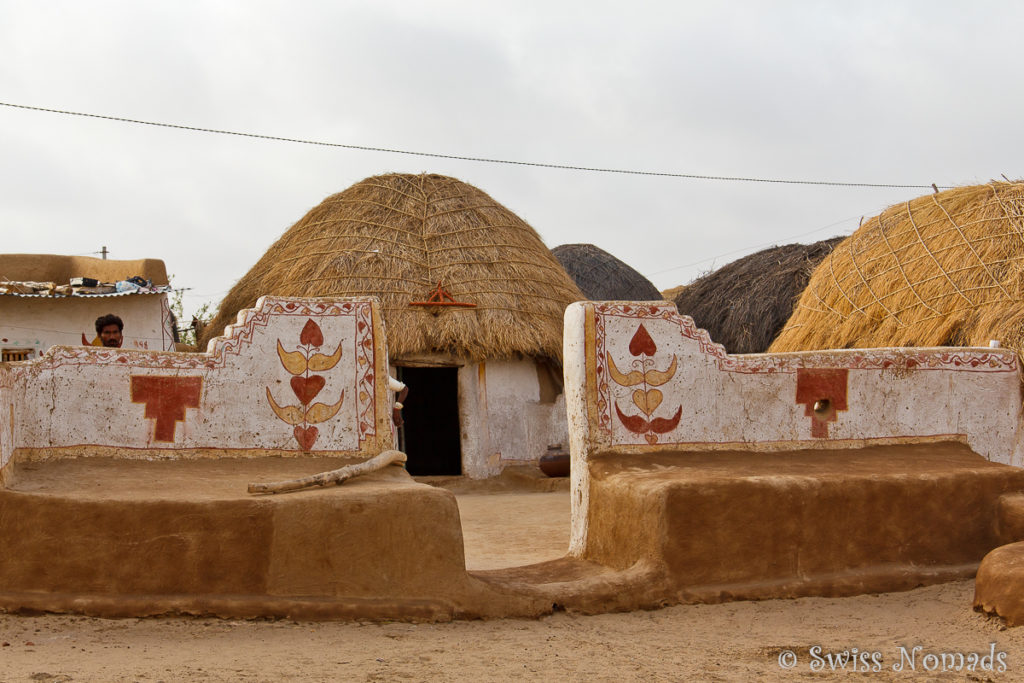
{"x": 757, "y": 246}
{"x": 486, "y": 160}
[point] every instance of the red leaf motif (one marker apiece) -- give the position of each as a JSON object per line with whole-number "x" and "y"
{"x": 311, "y": 334}
{"x": 306, "y": 436}
{"x": 641, "y": 343}
{"x": 662, "y": 425}
{"x": 633, "y": 423}
{"x": 306, "y": 388}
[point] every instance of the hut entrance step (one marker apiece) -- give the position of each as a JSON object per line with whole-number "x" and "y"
{"x": 430, "y": 435}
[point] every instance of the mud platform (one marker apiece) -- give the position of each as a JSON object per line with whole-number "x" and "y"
{"x": 117, "y": 537}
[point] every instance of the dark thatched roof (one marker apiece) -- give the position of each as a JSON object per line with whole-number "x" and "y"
{"x": 601, "y": 276}
{"x": 396, "y": 237}
{"x": 745, "y": 304}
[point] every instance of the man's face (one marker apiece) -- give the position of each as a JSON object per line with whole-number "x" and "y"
{"x": 111, "y": 336}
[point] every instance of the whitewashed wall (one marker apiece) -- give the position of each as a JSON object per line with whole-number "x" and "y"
{"x": 7, "y": 406}
{"x": 502, "y": 418}
{"x": 37, "y": 323}
{"x": 642, "y": 378}
{"x": 292, "y": 376}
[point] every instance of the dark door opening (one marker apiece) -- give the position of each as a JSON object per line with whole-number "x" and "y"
{"x": 431, "y": 414}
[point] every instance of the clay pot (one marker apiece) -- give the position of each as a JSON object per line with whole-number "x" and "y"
{"x": 555, "y": 463}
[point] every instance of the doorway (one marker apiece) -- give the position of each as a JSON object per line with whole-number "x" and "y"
{"x": 430, "y": 436}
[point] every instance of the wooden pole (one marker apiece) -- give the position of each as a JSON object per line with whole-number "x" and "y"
{"x": 337, "y": 476}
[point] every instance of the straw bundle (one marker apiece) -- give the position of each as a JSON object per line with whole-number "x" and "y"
{"x": 601, "y": 276}
{"x": 396, "y": 237}
{"x": 671, "y": 293}
{"x": 946, "y": 269}
{"x": 744, "y": 304}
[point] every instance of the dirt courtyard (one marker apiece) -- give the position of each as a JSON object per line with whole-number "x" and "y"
{"x": 727, "y": 642}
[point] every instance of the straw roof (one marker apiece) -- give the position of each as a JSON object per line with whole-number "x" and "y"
{"x": 601, "y": 276}
{"x": 671, "y": 293}
{"x": 945, "y": 269}
{"x": 396, "y": 237}
{"x": 744, "y": 304}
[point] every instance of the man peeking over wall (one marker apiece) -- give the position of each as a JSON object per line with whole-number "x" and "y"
{"x": 109, "y": 328}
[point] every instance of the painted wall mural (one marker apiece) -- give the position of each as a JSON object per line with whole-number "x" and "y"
{"x": 291, "y": 376}
{"x": 652, "y": 379}
{"x": 166, "y": 399}
{"x": 302, "y": 364}
{"x": 646, "y": 396}
{"x": 822, "y": 392}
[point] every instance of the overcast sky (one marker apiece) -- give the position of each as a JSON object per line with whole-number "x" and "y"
{"x": 870, "y": 92}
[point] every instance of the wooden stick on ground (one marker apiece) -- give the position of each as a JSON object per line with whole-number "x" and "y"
{"x": 378, "y": 462}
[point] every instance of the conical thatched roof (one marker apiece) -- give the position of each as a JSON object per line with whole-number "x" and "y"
{"x": 943, "y": 269}
{"x": 601, "y": 276}
{"x": 744, "y": 304}
{"x": 397, "y": 236}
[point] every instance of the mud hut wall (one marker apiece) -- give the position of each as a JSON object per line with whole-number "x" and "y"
{"x": 641, "y": 378}
{"x": 252, "y": 393}
{"x": 514, "y": 426}
{"x": 478, "y": 461}
{"x": 37, "y": 323}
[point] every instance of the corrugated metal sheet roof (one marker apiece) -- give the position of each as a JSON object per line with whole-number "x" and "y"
{"x": 78, "y": 296}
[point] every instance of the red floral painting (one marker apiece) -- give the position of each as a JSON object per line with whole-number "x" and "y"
{"x": 646, "y": 397}
{"x": 303, "y": 364}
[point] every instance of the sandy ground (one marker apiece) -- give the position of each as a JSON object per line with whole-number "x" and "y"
{"x": 495, "y": 537}
{"x": 728, "y": 642}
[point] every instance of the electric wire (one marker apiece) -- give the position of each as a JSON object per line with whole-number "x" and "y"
{"x": 486, "y": 160}
{"x": 756, "y": 246}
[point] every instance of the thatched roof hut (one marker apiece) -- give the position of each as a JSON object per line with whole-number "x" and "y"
{"x": 945, "y": 269}
{"x": 744, "y": 304}
{"x": 397, "y": 236}
{"x": 601, "y": 276}
{"x": 485, "y": 392}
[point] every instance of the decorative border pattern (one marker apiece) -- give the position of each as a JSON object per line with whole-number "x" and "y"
{"x": 366, "y": 406}
{"x": 942, "y": 358}
{"x": 604, "y": 395}
{"x": 237, "y": 336}
{"x": 893, "y": 360}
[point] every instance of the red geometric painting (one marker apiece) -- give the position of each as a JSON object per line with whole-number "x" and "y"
{"x": 166, "y": 399}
